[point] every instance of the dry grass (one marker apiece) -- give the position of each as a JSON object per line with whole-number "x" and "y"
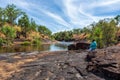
{"x": 7, "y": 69}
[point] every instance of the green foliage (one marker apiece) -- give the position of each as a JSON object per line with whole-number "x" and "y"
{"x": 2, "y": 17}
{"x": 86, "y": 30}
{"x": 109, "y": 32}
{"x": 65, "y": 35}
{"x": 1, "y": 41}
{"x": 97, "y": 35}
{"x": 12, "y": 13}
{"x": 9, "y": 32}
{"x": 25, "y": 24}
{"x": 26, "y": 43}
{"x": 117, "y": 18}
{"x": 44, "y": 30}
{"x": 104, "y": 32}
{"x": 36, "y": 41}
{"x": 33, "y": 25}
{"x": 77, "y": 31}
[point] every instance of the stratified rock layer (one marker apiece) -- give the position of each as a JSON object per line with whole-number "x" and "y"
{"x": 105, "y": 62}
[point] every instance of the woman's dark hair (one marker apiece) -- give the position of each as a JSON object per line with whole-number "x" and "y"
{"x": 93, "y": 40}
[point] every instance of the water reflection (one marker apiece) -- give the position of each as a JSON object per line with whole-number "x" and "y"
{"x": 45, "y": 47}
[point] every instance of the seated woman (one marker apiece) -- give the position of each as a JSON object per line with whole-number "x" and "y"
{"x": 93, "y": 45}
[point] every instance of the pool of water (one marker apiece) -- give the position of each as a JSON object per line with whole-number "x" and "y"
{"x": 43, "y": 47}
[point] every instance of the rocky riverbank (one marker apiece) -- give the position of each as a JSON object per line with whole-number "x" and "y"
{"x": 61, "y": 65}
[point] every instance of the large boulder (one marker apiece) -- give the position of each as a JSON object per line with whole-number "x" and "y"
{"x": 72, "y": 47}
{"x": 82, "y": 45}
{"x": 79, "y": 45}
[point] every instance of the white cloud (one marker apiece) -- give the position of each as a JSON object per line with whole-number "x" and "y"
{"x": 105, "y": 2}
{"x": 57, "y": 18}
{"x": 19, "y": 3}
{"x": 75, "y": 13}
{"x": 82, "y": 13}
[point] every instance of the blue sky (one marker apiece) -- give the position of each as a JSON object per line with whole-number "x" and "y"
{"x": 60, "y": 15}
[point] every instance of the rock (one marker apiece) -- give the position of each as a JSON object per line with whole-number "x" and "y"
{"x": 72, "y": 47}
{"x": 79, "y": 45}
{"x": 79, "y": 76}
{"x": 90, "y": 56}
{"x": 106, "y": 64}
{"x": 3, "y": 57}
{"x": 82, "y": 45}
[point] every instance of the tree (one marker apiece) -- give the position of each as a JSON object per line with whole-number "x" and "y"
{"x": 2, "y": 17}
{"x": 76, "y": 31}
{"x": 65, "y": 35}
{"x": 117, "y": 18}
{"x": 44, "y": 30}
{"x": 12, "y": 13}
{"x": 104, "y": 32}
{"x": 97, "y": 34}
{"x": 33, "y": 25}
{"x": 25, "y": 24}
{"x": 109, "y": 32}
{"x": 1, "y": 14}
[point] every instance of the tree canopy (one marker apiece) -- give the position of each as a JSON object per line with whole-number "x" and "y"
{"x": 21, "y": 25}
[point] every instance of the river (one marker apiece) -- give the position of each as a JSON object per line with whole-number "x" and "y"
{"x": 62, "y": 46}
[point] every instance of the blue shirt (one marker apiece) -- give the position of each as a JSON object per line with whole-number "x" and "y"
{"x": 93, "y": 45}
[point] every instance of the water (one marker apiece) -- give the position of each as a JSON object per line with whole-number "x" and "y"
{"x": 44, "y": 47}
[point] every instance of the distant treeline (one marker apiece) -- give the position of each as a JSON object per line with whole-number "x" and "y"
{"x": 15, "y": 24}
{"x": 106, "y": 32}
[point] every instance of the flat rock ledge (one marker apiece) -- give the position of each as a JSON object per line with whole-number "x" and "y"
{"x": 102, "y": 64}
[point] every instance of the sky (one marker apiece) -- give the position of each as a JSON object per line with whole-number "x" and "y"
{"x": 60, "y": 15}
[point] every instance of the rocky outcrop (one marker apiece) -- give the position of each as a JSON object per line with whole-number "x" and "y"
{"x": 72, "y": 47}
{"x": 105, "y": 62}
{"x": 63, "y": 65}
{"x": 79, "y": 45}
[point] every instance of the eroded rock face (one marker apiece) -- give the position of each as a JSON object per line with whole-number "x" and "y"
{"x": 105, "y": 62}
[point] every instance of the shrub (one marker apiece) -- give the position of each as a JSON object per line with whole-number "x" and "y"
{"x": 9, "y": 32}
{"x": 1, "y": 41}
{"x": 36, "y": 41}
{"x": 26, "y": 43}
